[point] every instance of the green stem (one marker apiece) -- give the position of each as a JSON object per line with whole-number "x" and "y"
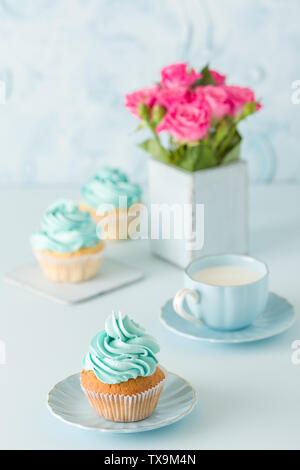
{"x": 180, "y": 153}
{"x": 156, "y": 138}
{"x": 221, "y": 148}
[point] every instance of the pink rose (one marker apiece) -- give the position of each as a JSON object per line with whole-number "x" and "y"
{"x": 178, "y": 75}
{"x": 238, "y": 97}
{"x": 187, "y": 121}
{"x": 217, "y": 98}
{"x": 146, "y": 95}
{"x": 166, "y": 97}
{"x": 218, "y": 78}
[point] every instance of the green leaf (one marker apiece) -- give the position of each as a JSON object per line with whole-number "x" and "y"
{"x": 233, "y": 155}
{"x": 221, "y": 132}
{"x": 156, "y": 149}
{"x": 206, "y": 79}
{"x": 198, "y": 158}
{"x": 142, "y": 125}
{"x": 143, "y": 111}
{"x": 157, "y": 113}
{"x": 249, "y": 108}
{"x": 231, "y": 139}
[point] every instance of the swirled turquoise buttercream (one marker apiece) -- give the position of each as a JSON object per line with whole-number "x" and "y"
{"x": 65, "y": 229}
{"x": 110, "y": 186}
{"x": 121, "y": 352}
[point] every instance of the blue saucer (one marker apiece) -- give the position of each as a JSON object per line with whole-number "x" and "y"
{"x": 278, "y": 316}
{"x": 69, "y": 404}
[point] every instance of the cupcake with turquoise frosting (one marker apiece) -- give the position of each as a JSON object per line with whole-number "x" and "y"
{"x": 112, "y": 200}
{"x": 121, "y": 376}
{"x": 67, "y": 246}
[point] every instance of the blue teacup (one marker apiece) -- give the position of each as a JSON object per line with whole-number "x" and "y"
{"x": 223, "y": 307}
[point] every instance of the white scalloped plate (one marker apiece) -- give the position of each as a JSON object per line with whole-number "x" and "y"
{"x": 68, "y": 403}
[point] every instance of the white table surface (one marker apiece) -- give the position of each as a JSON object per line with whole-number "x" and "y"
{"x": 248, "y": 394}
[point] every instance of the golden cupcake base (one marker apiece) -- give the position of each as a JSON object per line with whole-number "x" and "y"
{"x": 123, "y": 407}
{"x": 74, "y": 267}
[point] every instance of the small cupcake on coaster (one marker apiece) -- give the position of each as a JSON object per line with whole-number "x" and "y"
{"x": 68, "y": 247}
{"x": 110, "y": 198}
{"x": 121, "y": 377}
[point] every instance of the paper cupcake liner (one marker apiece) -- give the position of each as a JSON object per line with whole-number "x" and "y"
{"x": 125, "y": 408}
{"x": 75, "y": 269}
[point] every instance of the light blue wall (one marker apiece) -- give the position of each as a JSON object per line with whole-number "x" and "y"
{"x": 68, "y": 63}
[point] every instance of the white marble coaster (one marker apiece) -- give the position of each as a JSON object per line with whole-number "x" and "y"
{"x": 112, "y": 275}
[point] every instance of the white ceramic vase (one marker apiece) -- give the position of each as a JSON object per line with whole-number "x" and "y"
{"x": 218, "y": 198}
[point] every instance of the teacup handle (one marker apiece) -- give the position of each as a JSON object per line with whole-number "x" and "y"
{"x": 178, "y": 304}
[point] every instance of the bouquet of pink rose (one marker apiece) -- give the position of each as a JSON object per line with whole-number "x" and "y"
{"x": 198, "y": 111}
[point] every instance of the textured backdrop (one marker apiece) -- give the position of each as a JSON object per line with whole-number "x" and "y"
{"x": 68, "y": 63}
